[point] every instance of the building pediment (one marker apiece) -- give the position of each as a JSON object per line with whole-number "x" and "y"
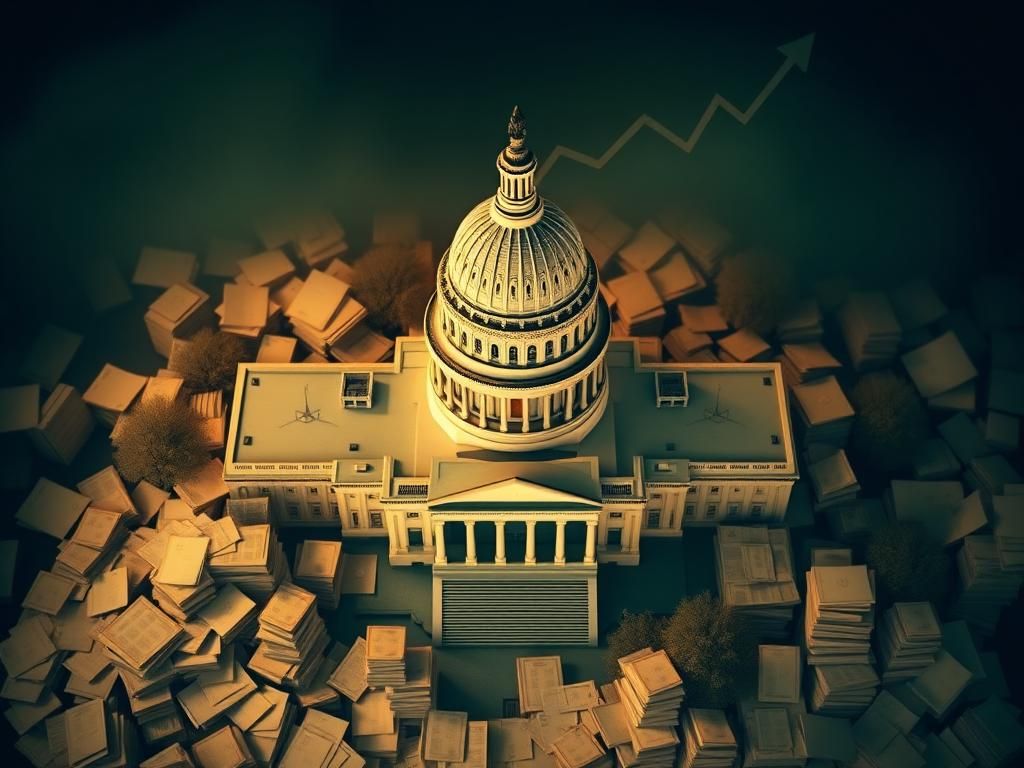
{"x": 514, "y": 493}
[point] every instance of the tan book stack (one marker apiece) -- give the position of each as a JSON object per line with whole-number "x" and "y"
{"x": 772, "y": 734}
{"x": 907, "y": 640}
{"x": 416, "y": 697}
{"x": 832, "y": 478}
{"x": 708, "y": 740}
{"x": 319, "y": 238}
{"x": 292, "y": 632}
{"x": 224, "y": 748}
{"x": 385, "y": 656}
{"x": 211, "y": 408}
{"x": 112, "y": 392}
{"x": 266, "y": 737}
{"x": 180, "y": 311}
{"x": 174, "y": 756}
{"x": 256, "y": 567}
{"x": 870, "y": 329}
{"x": 577, "y": 747}
{"x": 534, "y": 675}
{"x": 806, "y": 362}
{"x": 362, "y": 345}
{"x": 318, "y": 569}
{"x": 140, "y": 638}
{"x": 744, "y": 346}
{"x": 984, "y": 585}
{"x": 640, "y": 309}
{"x": 319, "y": 738}
{"x": 64, "y": 425}
{"x": 823, "y": 413}
{"x": 650, "y": 688}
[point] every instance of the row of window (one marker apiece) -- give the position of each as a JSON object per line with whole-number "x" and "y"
{"x": 494, "y": 350}
{"x": 528, "y": 286}
{"x": 710, "y": 513}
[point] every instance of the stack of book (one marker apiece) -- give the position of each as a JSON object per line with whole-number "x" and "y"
{"x": 92, "y": 546}
{"x": 180, "y": 311}
{"x": 907, "y": 641}
{"x": 708, "y": 740}
{"x": 939, "y": 366}
{"x": 870, "y": 329}
{"x": 266, "y": 737}
{"x": 991, "y": 732}
{"x": 773, "y": 736}
{"x": 881, "y": 732}
{"x": 140, "y": 638}
{"x": 58, "y": 429}
{"x": 112, "y": 392}
{"x": 319, "y": 238}
{"x": 181, "y": 584}
{"x": 444, "y": 736}
{"x": 822, "y": 410}
{"x": 362, "y": 345}
{"x": 579, "y": 748}
{"x": 349, "y": 677}
{"x": 291, "y": 631}
{"x": 212, "y": 410}
{"x": 602, "y": 232}
{"x": 807, "y": 362}
{"x": 247, "y": 310}
{"x": 842, "y": 690}
{"x": 703, "y": 319}
{"x": 534, "y": 675}
{"x": 374, "y": 726}
{"x": 650, "y": 688}
{"x": 319, "y": 735}
{"x": 641, "y": 311}
{"x": 940, "y": 684}
{"x": 832, "y": 479}
{"x": 225, "y": 746}
{"x": 256, "y": 567}
{"x": 385, "y": 656}
{"x": 1008, "y": 529}
{"x": 984, "y": 586}
{"x": 684, "y": 344}
{"x": 778, "y": 674}
{"x": 174, "y": 756}
{"x": 95, "y": 735}
{"x": 51, "y": 509}
{"x": 323, "y": 312}
{"x": 744, "y": 346}
{"x": 754, "y": 565}
{"x": 318, "y": 569}
{"x": 803, "y": 325}
{"x": 271, "y": 269}
{"x": 839, "y": 615}
{"x": 412, "y": 700}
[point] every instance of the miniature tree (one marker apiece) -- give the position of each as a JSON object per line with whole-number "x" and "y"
{"x": 385, "y": 276}
{"x": 161, "y": 441}
{"x": 754, "y": 291}
{"x": 210, "y": 360}
{"x": 909, "y": 564}
{"x": 891, "y": 422}
{"x": 413, "y": 304}
{"x": 635, "y": 631}
{"x": 710, "y": 646}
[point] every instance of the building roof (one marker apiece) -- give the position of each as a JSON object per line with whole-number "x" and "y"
{"x": 735, "y": 415}
{"x": 561, "y": 484}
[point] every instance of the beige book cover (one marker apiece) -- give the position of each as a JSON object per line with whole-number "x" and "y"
{"x": 385, "y": 643}
{"x": 444, "y": 736}
{"x": 245, "y": 305}
{"x": 163, "y": 267}
{"x": 288, "y": 605}
{"x": 372, "y": 715}
{"x": 183, "y": 560}
{"x": 778, "y": 674}
{"x": 266, "y": 268}
{"x": 86, "y": 727}
{"x": 318, "y": 300}
{"x": 114, "y": 389}
{"x": 48, "y": 593}
{"x": 349, "y": 678}
{"x": 109, "y": 592}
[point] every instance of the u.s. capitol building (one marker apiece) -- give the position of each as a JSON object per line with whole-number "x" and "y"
{"x": 516, "y": 445}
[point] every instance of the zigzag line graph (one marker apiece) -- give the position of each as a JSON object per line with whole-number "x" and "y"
{"x": 797, "y": 53}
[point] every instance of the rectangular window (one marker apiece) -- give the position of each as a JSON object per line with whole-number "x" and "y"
{"x": 413, "y": 515}
{"x": 334, "y": 510}
{"x": 316, "y": 510}
{"x": 615, "y": 515}
{"x": 313, "y": 490}
{"x": 355, "y": 519}
{"x": 756, "y": 510}
{"x": 712, "y": 511}
{"x": 290, "y": 490}
{"x": 654, "y": 519}
{"x": 734, "y": 509}
{"x": 691, "y": 491}
{"x": 715, "y": 490}
{"x": 292, "y": 511}
{"x": 376, "y": 520}
{"x": 416, "y": 538}
{"x": 690, "y": 512}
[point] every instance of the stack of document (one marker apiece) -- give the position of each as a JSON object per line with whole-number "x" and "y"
{"x": 51, "y": 509}
{"x": 991, "y": 732}
{"x": 984, "y": 586}
{"x": 180, "y": 311}
{"x": 806, "y": 362}
{"x": 291, "y": 631}
{"x": 317, "y": 743}
{"x": 266, "y": 737}
{"x": 182, "y": 601}
{"x": 939, "y": 366}
{"x": 822, "y": 411}
{"x": 839, "y": 615}
{"x": 374, "y": 726}
{"x": 703, "y": 319}
{"x": 217, "y": 692}
{"x": 92, "y": 734}
{"x": 140, "y": 638}
{"x": 773, "y": 735}
{"x": 385, "y": 656}
{"x": 323, "y": 311}
{"x": 223, "y": 747}
{"x": 650, "y": 688}
{"x": 1008, "y": 528}
{"x": 106, "y": 490}
{"x": 270, "y": 269}
{"x": 174, "y": 756}
{"x": 870, "y": 329}
{"x": 708, "y": 740}
{"x": 319, "y": 238}
{"x": 349, "y": 677}
{"x": 754, "y": 565}
{"x": 211, "y": 408}
{"x": 247, "y": 310}
{"x": 206, "y": 490}
{"x": 881, "y": 732}
{"x": 640, "y": 309}
{"x": 181, "y": 584}
{"x": 444, "y": 736}
{"x": 112, "y": 392}
{"x": 940, "y": 684}
{"x": 58, "y": 429}
{"x": 842, "y": 690}
{"x": 744, "y": 346}
{"x": 907, "y": 641}
{"x": 683, "y": 343}
{"x": 833, "y": 480}
{"x": 579, "y": 748}
{"x": 778, "y": 674}
{"x": 362, "y": 345}
{"x": 412, "y": 700}
{"x": 248, "y": 511}
{"x": 32, "y": 662}
{"x": 534, "y": 675}
{"x": 257, "y": 566}
{"x": 318, "y": 569}
{"x": 153, "y": 706}
{"x": 803, "y": 325}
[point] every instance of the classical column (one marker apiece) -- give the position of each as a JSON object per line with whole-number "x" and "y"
{"x": 583, "y": 394}
{"x": 483, "y": 412}
{"x": 403, "y": 534}
{"x": 440, "y": 556}
{"x": 470, "y": 544}
{"x": 531, "y": 542}
{"x": 526, "y": 414}
{"x": 503, "y": 414}
{"x": 560, "y": 542}
{"x": 568, "y": 402}
{"x": 591, "y": 551}
{"x": 464, "y": 406}
{"x": 593, "y": 382}
{"x": 499, "y": 542}
{"x": 547, "y": 411}
{"x": 450, "y": 392}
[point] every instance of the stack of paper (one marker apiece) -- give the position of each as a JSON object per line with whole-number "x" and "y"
{"x": 162, "y": 267}
{"x": 291, "y": 631}
{"x": 349, "y": 677}
{"x": 32, "y": 662}
{"x": 266, "y": 737}
{"x": 362, "y": 345}
{"x": 675, "y": 277}
{"x": 755, "y": 577}
{"x": 315, "y": 304}
{"x": 881, "y": 732}
{"x": 51, "y": 509}
{"x": 276, "y": 349}
{"x": 270, "y": 269}
{"x": 833, "y": 480}
{"x": 212, "y": 410}
{"x": 804, "y": 325}
{"x": 703, "y": 319}
{"x": 778, "y": 674}
{"x": 991, "y": 732}
{"x": 842, "y": 690}
{"x": 602, "y": 232}
{"x": 907, "y": 641}
{"x": 247, "y": 310}
{"x": 939, "y": 366}
{"x": 374, "y": 727}
{"x": 650, "y": 688}
{"x": 744, "y": 346}
{"x": 444, "y": 736}
{"x": 223, "y": 747}
{"x": 640, "y": 309}
{"x": 319, "y": 238}
{"x": 412, "y": 700}
{"x": 216, "y": 692}
{"x": 249, "y": 511}
{"x": 318, "y": 569}
{"x": 823, "y": 411}
{"x": 182, "y": 600}
{"x": 180, "y": 311}
{"x": 708, "y": 739}
{"x": 64, "y": 424}
{"x": 93, "y": 734}
{"x": 318, "y": 742}
{"x": 684, "y": 344}
{"x": 534, "y": 675}
{"x": 773, "y": 735}
{"x": 318, "y": 692}
{"x": 839, "y": 616}
{"x": 91, "y": 546}
{"x": 385, "y": 656}
{"x": 870, "y": 329}
{"x": 230, "y": 614}
{"x": 578, "y": 748}
{"x": 106, "y": 491}
{"x": 806, "y": 362}
{"x": 140, "y": 638}
{"x": 940, "y": 684}
{"x": 206, "y": 490}
{"x": 112, "y": 392}
{"x": 984, "y": 586}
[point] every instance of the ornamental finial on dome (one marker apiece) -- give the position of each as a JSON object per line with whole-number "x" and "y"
{"x": 516, "y": 125}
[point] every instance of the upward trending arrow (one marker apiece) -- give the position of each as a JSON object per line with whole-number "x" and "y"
{"x": 797, "y": 53}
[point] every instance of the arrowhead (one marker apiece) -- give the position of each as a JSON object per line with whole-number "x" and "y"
{"x": 799, "y": 51}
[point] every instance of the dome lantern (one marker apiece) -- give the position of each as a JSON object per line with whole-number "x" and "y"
{"x": 517, "y": 201}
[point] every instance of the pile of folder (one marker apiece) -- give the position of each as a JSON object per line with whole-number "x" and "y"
{"x": 639, "y": 308}
{"x": 140, "y": 638}
{"x": 324, "y": 311}
{"x": 318, "y": 569}
{"x": 907, "y": 640}
{"x": 708, "y": 739}
{"x": 870, "y": 329}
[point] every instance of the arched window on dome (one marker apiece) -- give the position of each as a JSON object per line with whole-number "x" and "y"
{"x": 513, "y": 355}
{"x": 497, "y": 289}
{"x": 473, "y": 276}
{"x": 556, "y": 279}
{"x": 531, "y": 354}
{"x": 485, "y": 284}
{"x": 549, "y": 349}
{"x": 565, "y": 343}
{"x": 576, "y": 335}
{"x": 543, "y": 287}
{"x": 566, "y": 273}
{"x": 494, "y": 351}
{"x": 528, "y": 291}
{"x": 478, "y": 346}
{"x": 463, "y": 340}
{"x": 512, "y": 290}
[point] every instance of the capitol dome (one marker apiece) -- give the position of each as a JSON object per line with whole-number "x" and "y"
{"x": 517, "y": 329}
